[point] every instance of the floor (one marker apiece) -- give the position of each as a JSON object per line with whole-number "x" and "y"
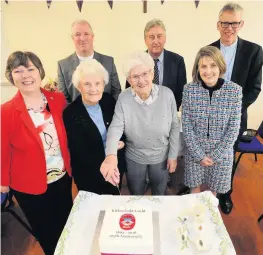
{"x": 245, "y": 232}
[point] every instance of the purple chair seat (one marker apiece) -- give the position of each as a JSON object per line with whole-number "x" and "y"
{"x": 254, "y": 146}
{"x": 3, "y": 197}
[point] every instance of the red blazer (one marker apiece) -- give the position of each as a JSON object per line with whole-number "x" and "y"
{"x": 23, "y": 160}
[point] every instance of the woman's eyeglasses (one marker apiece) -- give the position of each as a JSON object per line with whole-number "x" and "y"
{"x": 136, "y": 77}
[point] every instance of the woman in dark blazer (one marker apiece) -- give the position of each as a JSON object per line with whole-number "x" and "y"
{"x": 87, "y": 120}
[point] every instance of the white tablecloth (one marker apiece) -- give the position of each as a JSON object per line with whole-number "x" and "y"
{"x": 80, "y": 231}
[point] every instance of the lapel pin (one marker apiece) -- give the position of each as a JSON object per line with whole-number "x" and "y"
{"x": 51, "y": 98}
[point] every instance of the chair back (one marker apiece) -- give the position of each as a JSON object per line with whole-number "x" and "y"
{"x": 260, "y": 130}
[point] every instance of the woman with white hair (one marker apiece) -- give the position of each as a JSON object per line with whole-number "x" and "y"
{"x": 86, "y": 120}
{"x": 146, "y": 114}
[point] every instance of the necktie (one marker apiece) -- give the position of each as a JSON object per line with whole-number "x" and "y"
{"x": 156, "y": 72}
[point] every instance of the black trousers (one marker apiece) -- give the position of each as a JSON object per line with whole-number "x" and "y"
{"x": 47, "y": 213}
{"x": 243, "y": 128}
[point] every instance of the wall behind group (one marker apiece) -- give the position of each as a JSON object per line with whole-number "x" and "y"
{"x": 118, "y": 31}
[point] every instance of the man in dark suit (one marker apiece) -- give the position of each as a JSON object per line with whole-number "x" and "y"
{"x": 169, "y": 69}
{"x": 82, "y": 37}
{"x": 244, "y": 61}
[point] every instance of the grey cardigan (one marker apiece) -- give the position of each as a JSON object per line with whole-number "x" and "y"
{"x": 152, "y": 131}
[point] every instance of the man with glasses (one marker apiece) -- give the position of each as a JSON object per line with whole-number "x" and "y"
{"x": 169, "y": 67}
{"x": 82, "y": 37}
{"x": 244, "y": 61}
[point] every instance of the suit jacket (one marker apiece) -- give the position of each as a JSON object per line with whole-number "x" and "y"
{"x": 174, "y": 75}
{"x": 86, "y": 145}
{"x": 247, "y": 72}
{"x": 67, "y": 66}
{"x": 23, "y": 159}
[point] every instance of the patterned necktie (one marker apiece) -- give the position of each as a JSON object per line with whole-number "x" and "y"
{"x": 156, "y": 72}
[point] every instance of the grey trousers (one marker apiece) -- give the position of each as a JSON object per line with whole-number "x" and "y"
{"x": 137, "y": 173}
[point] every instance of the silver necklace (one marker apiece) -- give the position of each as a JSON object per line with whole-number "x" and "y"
{"x": 40, "y": 108}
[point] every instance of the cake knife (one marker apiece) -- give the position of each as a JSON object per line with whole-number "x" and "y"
{"x": 117, "y": 185}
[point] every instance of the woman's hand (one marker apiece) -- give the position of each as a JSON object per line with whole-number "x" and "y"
{"x": 171, "y": 165}
{"x": 4, "y": 189}
{"x": 109, "y": 169}
{"x": 115, "y": 178}
{"x": 121, "y": 144}
{"x": 206, "y": 161}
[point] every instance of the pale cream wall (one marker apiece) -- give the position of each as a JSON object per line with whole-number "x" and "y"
{"x": 32, "y": 26}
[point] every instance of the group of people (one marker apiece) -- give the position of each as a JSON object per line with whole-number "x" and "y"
{"x": 94, "y": 132}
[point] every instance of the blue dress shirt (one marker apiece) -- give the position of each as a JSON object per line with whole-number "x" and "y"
{"x": 95, "y": 114}
{"x": 229, "y": 53}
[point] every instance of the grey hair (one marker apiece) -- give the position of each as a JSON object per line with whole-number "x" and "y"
{"x": 152, "y": 23}
{"x": 81, "y": 22}
{"x": 232, "y": 7}
{"x": 89, "y": 67}
{"x": 137, "y": 59}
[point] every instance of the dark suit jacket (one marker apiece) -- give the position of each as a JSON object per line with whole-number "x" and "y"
{"x": 67, "y": 66}
{"x": 247, "y": 72}
{"x": 86, "y": 145}
{"x": 174, "y": 75}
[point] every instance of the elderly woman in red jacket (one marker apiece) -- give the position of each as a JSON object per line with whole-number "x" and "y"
{"x": 34, "y": 157}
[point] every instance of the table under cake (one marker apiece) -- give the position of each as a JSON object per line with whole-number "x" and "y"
{"x": 82, "y": 230}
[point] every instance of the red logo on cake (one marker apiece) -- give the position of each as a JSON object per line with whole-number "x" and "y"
{"x": 127, "y": 221}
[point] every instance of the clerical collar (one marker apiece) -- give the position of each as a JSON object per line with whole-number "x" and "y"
{"x": 84, "y": 58}
{"x": 233, "y": 45}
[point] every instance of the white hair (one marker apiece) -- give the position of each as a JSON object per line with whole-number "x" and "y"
{"x": 80, "y": 22}
{"x": 89, "y": 67}
{"x": 137, "y": 59}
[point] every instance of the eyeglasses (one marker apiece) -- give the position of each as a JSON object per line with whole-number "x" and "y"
{"x": 136, "y": 77}
{"x": 233, "y": 24}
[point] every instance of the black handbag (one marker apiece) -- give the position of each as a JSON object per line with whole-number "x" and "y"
{"x": 248, "y": 135}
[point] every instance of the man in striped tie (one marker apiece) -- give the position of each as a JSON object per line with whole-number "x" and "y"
{"x": 169, "y": 67}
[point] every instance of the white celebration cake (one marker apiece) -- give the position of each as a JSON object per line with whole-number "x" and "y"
{"x": 127, "y": 231}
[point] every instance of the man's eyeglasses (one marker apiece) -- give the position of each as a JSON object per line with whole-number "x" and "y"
{"x": 233, "y": 24}
{"x": 136, "y": 77}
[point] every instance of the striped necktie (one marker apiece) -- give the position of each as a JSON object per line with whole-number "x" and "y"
{"x": 156, "y": 72}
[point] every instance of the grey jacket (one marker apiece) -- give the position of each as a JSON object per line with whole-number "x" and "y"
{"x": 67, "y": 66}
